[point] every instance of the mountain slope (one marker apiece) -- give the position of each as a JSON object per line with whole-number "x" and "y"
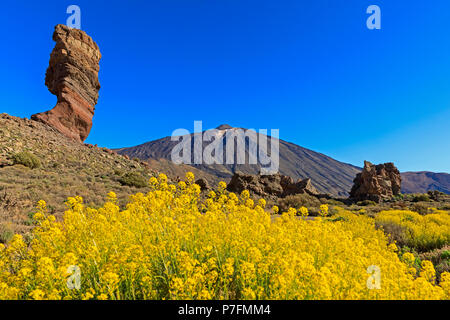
{"x": 421, "y": 182}
{"x": 327, "y": 174}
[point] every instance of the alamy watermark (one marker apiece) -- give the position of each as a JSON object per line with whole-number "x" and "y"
{"x": 74, "y": 280}
{"x": 229, "y": 146}
{"x": 374, "y": 20}
{"x": 374, "y": 280}
{"x": 74, "y": 20}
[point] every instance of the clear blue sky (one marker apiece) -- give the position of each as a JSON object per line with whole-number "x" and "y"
{"x": 309, "y": 68}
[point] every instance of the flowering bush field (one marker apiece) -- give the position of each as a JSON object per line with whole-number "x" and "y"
{"x": 169, "y": 245}
{"x": 424, "y": 232}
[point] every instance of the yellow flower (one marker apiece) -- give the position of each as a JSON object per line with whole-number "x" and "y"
{"x": 222, "y": 186}
{"x": 162, "y": 178}
{"x": 245, "y": 195}
{"x": 212, "y": 194}
{"x": 303, "y": 211}
{"x": 37, "y": 294}
{"x": 112, "y": 197}
{"x": 190, "y": 177}
{"x": 182, "y": 185}
{"x": 262, "y": 203}
{"x": 41, "y": 204}
{"x": 172, "y": 243}
{"x": 153, "y": 181}
{"x": 323, "y": 210}
{"x": 408, "y": 258}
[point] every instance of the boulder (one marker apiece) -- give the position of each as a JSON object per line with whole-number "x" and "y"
{"x": 72, "y": 76}
{"x": 203, "y": 183}
{"x": 376, "y": 182}
{"x": 276, "y": 185}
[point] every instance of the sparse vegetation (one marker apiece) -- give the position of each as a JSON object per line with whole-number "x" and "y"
{"x": 440, "y": 259}
{"x": 409, "y": 228}
{"x": 27, "y": 159}
{"x": 366, "y": 203}
{"x": 6, "y": 233}
{"x": 299, "y": 200}
{"x": 134, "y": 179}
{"x": 421, "y": 198}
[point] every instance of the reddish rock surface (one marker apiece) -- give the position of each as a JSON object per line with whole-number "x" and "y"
{"x": 72, "y": 76}
{"x": 277, "y": 185}
{"x": 376, "y": 182}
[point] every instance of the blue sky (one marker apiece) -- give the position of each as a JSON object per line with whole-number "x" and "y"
{"x": 309, "y": 68}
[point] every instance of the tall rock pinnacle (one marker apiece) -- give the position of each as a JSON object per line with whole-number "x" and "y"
{"x": 72, "y": 76}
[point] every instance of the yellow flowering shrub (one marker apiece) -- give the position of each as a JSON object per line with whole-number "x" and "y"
{"x": 424, "y": 232}
{"x": 167, "y": 245}
{"x": 323, "y": 210}
{"x": 303, "y": 211}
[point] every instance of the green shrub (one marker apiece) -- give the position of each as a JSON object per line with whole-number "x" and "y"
{"x": 445, "y": 255}
{"x": 366, "y": 203}
{"x": 118, "y": 172}
{"x": 27, "y": 159}
{"x": 399, "y": 197}
{"x": 335, "y": 202}
{"x": 421, "y": 197}
{"x": 133, "y": 179}
{"x": 6, "y": 234}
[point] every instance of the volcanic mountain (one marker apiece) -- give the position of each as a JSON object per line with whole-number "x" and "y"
{"x": 327, "y": 174}
{"x": 421, "y": 182}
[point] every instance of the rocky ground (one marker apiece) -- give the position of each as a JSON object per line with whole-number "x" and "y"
{"x": 65, "y": 168}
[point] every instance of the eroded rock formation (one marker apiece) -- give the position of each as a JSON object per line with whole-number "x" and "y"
{"x": 72, "y": 76}
{"x": 270, "y": 185}
{"x": 376, "y": 182}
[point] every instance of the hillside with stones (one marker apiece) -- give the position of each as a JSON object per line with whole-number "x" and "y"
{"x": 62, "y": 168}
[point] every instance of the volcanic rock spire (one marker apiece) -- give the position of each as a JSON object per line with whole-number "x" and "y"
{"x": 72, "y": 76}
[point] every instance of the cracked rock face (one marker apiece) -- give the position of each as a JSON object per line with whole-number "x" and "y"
{"x": 376, "y": 182}
{"x": 72, "y": 76}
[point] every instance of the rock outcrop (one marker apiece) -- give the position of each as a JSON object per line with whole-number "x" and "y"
{"x": 376, "y": 182}
{"x": 203, "y": 183}
{"x": 72, "y": 76}
{"x": 270, "y": 185}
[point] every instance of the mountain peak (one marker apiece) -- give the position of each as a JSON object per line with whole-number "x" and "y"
{"x": 224, "y": 127}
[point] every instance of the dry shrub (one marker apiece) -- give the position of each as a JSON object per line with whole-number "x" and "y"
{"x": 27, "y": 159}
{"x": 395, "y": 233}
{"x": 420, "y": 208}
{"x": 440, "y": 259}
{"x": 298, "y": 200}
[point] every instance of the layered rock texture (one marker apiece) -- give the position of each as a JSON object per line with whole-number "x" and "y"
{"x": 270, "y": 185}
{"x": 376, "y": 182}
{"x": 72, "y": 76}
